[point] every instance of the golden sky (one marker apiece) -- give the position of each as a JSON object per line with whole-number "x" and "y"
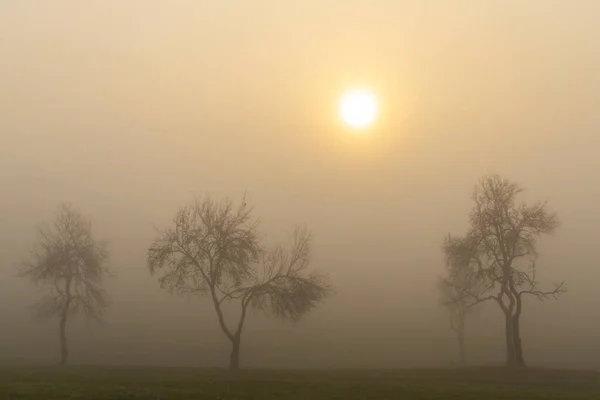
{"x": 128, "y": 108}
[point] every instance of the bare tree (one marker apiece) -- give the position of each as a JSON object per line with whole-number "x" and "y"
{"x": 457, "y": 281}
{"x": 70, "y": 264}
{"x": 502, "y": 253}
{"x": 214, "y": 250}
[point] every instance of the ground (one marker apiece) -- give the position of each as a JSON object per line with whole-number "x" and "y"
{"x": 113, "y": 383}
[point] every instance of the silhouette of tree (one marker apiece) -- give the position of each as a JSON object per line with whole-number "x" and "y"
{"x": 457, "y": 281}
{"x": 214, "y": 250}
{"x": 502, "y": 253}
{"x": 70, "y": 264}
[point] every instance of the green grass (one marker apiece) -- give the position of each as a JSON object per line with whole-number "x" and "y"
{"x": 85, "y": 383}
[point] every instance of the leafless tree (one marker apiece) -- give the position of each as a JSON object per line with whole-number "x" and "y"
{"x": 457, "y": 281}
{"x": 503, "y": 251}
{"x": 70, "y": 264}
{"x": 214, "y": 250}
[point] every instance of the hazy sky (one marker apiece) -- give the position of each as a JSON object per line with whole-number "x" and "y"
{"x": 129, "y": 108}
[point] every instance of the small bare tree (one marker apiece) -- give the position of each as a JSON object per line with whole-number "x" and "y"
{"x": 457, "y": 281}
{"x": 70, "y": 264}
{"x": 502, "y": 252}
{"x": 214, "y": 250}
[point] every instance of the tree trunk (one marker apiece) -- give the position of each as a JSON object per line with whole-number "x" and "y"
{"x": 64, "y": 352}
{"x": 234, "y": 358}
{"x": 460, "y": 333}
{"x": 510, "y": 344}
{"x": 519, "y": 359}
{"x": 516, "y": 319}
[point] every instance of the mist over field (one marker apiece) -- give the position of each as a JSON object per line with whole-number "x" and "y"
{"x": 127, "y": 110}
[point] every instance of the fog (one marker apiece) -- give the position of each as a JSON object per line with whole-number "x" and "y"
{"x": 129, "y": 109}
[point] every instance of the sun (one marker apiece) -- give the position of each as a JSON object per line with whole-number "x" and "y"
{"x": 358, "y": 108}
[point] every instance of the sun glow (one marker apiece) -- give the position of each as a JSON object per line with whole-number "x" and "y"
{"x": 358, "y": 108}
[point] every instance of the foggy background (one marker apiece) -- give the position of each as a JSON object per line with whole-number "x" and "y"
{"x": 127, "y": 109}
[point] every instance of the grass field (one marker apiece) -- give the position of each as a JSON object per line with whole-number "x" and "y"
{"x": 161, "y": 384}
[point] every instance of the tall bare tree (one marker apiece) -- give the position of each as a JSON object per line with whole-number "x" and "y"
{"x": 70, "y": 264}
{"x": 457, "y": 281}
{"x": 214, "y": 250}
{"x": 503, "y": 252}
